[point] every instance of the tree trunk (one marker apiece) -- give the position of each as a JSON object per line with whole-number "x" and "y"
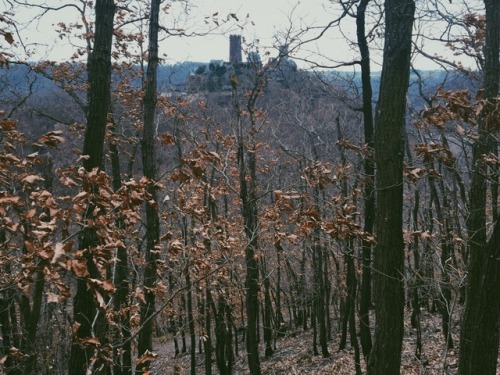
{"x": 479, "y": 337}
{"x": 99, "y": 98}
{"x": 32, "y": 323}
{"x": 385, "y": 357}
{"x": 247, "y": 165}
{"x": 417, "y": 273}
{"x": 224, "y": 345}
{"x": 445, "y": 242}
{"x": 145, "y": 343}
{"x": 122, "y": 364}
{"x": 368, "y": 193}
{"x": 207, "y": 342}
{"x": 267, "y": 318}
{"x": 7, "y": 339}
{"x": 320, "y": 293}
{"x": 279, "y": 314}
{"x": 192, "y": 334}
{"x": 315, "y": 329}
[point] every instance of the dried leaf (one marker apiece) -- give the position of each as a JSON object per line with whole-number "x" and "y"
{"x": 100, "y": 300}
{"x": 54, "y": 298}
{"x": 11, "y": 199}
{"x": 9, "y": 38}
{"x": 146, "y": 358}
{"x": 59, "y": 250}
{"x": 32, "y": 179}
{"x": 79, "y": 267}
{"x": 91, "y": 340}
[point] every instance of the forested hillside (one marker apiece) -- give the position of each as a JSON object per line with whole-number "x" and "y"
{"x": 232, "y": 217}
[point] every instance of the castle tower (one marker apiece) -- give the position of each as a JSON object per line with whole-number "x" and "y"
{"x": 235, "y": 49}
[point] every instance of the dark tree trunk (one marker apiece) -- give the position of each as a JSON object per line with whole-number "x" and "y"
{"x": 279, "y": 315}
{"x": 349, "y": 314}
{"x": 267, "y": 312}
{"x": 7, "y": 339}
{"x": 123, "y": 361}
{"x": 352, "y": 315}
{"x": 303, "y": 297}
{"x": 444, "y": 303}
{"x": 224, "y": 345}
{"x": 369, "y": 194}
{"x": 32, "y": 323}
{"x": 192, "y": 334}
{"x": 31, "y": 314}
{"x": 320, "y": 293}
{"x": 182, "y": 323}
{"x": 385, "y": 357}
{"x": 318, "y": 271}
{"x": 145, "y": 341}
{"x": 247, "y": 168}
{"x": 479, "y": 337}
{"x": 328, "y": 292}
{"x": 122, "y": 364}
{"x": 315, "y": 330}
{"x": 417, "y": 274}
{"x": 349, "y": 310}
{"x": 99, "y": 98}
{"x": 207, "y": 343}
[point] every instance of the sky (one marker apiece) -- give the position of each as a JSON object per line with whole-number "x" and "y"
{"x": 258, "y": 21}
{"x": 262, "y": 23}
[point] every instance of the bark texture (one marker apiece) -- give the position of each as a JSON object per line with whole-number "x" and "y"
{"x": 479, "y": 339}
{"x": 145, "y": 343}
{"x": 385, "y": 357}
{"x": 99, "y": 97}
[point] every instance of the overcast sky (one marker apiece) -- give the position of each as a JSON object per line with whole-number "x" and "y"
{"x": 260, "y": 22}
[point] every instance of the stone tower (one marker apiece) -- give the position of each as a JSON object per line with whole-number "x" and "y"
{"x": 235, "y": 49}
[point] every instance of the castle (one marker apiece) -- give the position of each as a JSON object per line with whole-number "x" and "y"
{"x": 217, "y": 76}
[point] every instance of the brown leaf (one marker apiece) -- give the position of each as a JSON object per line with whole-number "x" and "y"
{"x": 146, "y": 358}
{"x": 54, "y": 298}
{"x": 167, "y": 139}
{"x": 32, "y": 179}
{"x": 104, "y": 285}
{"x": 176, "y": 246}
{"x": 59, "y": 250}
{"x": 75, "y": 327}
{"x": 79, "y": 267}
{"x": 139, "y": 294}
{"x": 11, "y": 199}
{"x": 91, "y": 340}
{"x": 52, "y": 139}
{"x": 30, "y": 214}
{"x": 100, "y": 300}
{"x": 8, "y": 125}
{"x": 8, "y": 36}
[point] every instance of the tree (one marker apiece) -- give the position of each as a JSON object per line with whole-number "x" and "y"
{"x": 479, "y": 339}
{"x": 385, "y": 357}
{"x": 145, "y": 344}
{"x": 99, "y": 97}
{"x": 369, "y": 169}
{"x": 247, "y": 167}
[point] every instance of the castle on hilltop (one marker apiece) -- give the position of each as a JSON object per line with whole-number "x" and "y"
{"x": 218, "y": 75}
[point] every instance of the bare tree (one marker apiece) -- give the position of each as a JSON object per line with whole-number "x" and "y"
{"x": 479, "y": 337}
{"x": 99, "y": 98}
{"x": 145, "y": 344}
{"x": 385, "y": 357}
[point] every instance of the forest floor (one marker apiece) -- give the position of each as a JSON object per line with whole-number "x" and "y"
{"x": 294, "y": 356}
